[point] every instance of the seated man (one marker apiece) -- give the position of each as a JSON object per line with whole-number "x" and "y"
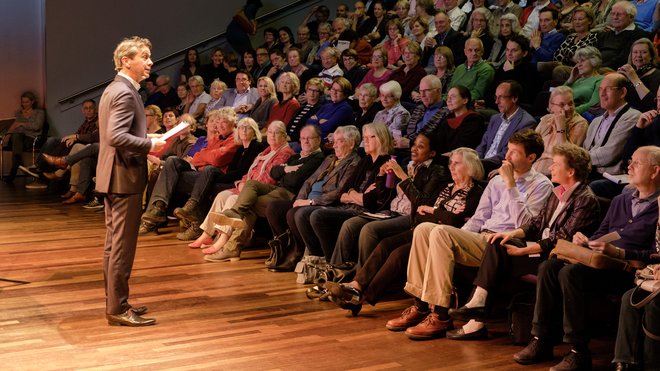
{"x": 565, "y": 287}
{"x": 615, "y": 41}
{"x": 165, "y": 96}
{"x": 547, "y": 39}
{"x": 241, "y": 98}
{"x": 510, "y": 200}
{"x": 646, "y": 132}
{"x": 607, "y": 134}
{"x": 513, "y": 118}
{"x": 475, "y": 74}
{"x": 190, "y": 172}
{"x": 87, "y": 133}
{"x": 331, "y": 69}
{"x": 427, "y": 116}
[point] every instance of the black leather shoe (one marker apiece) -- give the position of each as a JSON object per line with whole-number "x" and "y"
{"x": 465, "y": 314}
{"x": 129, "y": 318}
{"x": 535, "y": 352}
{"x": 574, "y": 361}
{"x": 459, "y": 334}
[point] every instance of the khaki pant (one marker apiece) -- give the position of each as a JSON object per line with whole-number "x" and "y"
{"x": 435, "y": 250}
{"x": 75, "y": 168}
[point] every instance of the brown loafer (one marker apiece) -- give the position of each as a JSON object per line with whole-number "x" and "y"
{"x": 76, "y": 198}
{"x": 57, "y": 161}
{"x": 68, "y": 195}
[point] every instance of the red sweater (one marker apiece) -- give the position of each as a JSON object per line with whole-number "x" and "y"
{"x": 218, "y": 153}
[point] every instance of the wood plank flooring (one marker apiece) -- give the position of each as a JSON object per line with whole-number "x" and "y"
{"x": 218, "y": 316}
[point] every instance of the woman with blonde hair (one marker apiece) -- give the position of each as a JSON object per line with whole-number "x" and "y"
{"x": 267, "y": 98}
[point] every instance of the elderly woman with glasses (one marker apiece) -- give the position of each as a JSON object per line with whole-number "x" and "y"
{"x": 336, "y": 112}
{"x": 585, "y": 78}
{"x": 393, "y": 115}
{"x": 561, "y": 125}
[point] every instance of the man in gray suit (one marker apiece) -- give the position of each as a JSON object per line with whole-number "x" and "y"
{"x": 122, "y": 174}
{"x": 243, "y": 97}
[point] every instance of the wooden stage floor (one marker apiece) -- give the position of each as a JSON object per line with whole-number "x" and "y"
{"x": 220, "y": 316}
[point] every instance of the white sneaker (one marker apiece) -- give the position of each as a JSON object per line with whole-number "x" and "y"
{"x": 37, "y": 184}
{"x": 94, "y": 204}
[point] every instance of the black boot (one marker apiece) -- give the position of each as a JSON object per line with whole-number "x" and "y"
{"x": 288, "y": 261}
{"x": 156, "y": 215}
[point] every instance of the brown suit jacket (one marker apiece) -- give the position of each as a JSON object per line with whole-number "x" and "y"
{"x": 122, "y": 162}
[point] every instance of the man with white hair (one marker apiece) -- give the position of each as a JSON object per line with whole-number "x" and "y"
{"x": 615, "y": 41}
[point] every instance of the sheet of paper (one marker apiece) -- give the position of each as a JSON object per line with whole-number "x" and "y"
{"x": 610, "y": 237}
{"x": 175, "y": 130}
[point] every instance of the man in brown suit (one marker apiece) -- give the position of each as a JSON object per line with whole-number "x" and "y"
{"x": 122, "y": 174}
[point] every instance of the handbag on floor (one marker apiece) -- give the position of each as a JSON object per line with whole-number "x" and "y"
{"x": 645, "y": 283}
{"x": 572, "y": 253}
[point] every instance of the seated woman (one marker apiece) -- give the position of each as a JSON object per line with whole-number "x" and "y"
{"x": 28, "y": 124}
{"x": 248, "y": 136}
{"x": 314, "y": 90}
{"x": 394, "y": 43}
{"x": 318, "y": 227}
{"x": 336, "y": 112}
{"x": 216, "y": 91}
{"x": 319, "y": 190}
{"x": 184, "y": 94}
{"x": 585, "y": 79}
{"x": 368, "y": 105}
{"x": 288, "y": 85}
{"x": 190, "y": 65}
{"x": 643, "y": 74}
{"x": 295, "y": 65}
{"x": 267, "y": 98}
{"x": 393, "y": 115}
{"x": 384, "y": 269}
{"x": 572, "y": 208}
{"x": 419, "y": 28}
{"x": 443, "y": 68}
{"x": 248, "y": 62}
{"x": 411, "y": 73}
{"x": 277, "y": 153}
{"x": 477, "y": 27}
{"x": 582, "y": 36}
{"x": 561, "y": 125}
{"x": 418, "y": 185}
{"x": 463, "y": 127}
{"x": 354, "y": 71}
{"x": 378, "y": 74}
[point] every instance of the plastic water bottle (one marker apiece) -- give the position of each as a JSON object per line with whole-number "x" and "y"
{"x": 390, "y": 178}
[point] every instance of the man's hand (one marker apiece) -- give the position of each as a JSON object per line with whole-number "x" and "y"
{"x": 300, "y": 203}
{"x": 646, "y": 118}
{"x": 580, "y": 239}
{"x": 69, "y": 140}
{"x": 157, "y": 144}
{"x": 506, "y": 172}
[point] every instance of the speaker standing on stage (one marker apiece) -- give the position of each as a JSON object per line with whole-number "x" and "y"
{"x": 122, "y": 174}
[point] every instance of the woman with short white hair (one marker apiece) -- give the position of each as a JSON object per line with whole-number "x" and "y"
{"x": 393, "y": 115}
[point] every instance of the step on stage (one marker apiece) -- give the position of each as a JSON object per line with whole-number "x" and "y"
{"x": 234, "y": 316}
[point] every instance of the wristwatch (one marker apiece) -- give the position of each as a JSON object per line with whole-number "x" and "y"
{"x": 311, "y": 202}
